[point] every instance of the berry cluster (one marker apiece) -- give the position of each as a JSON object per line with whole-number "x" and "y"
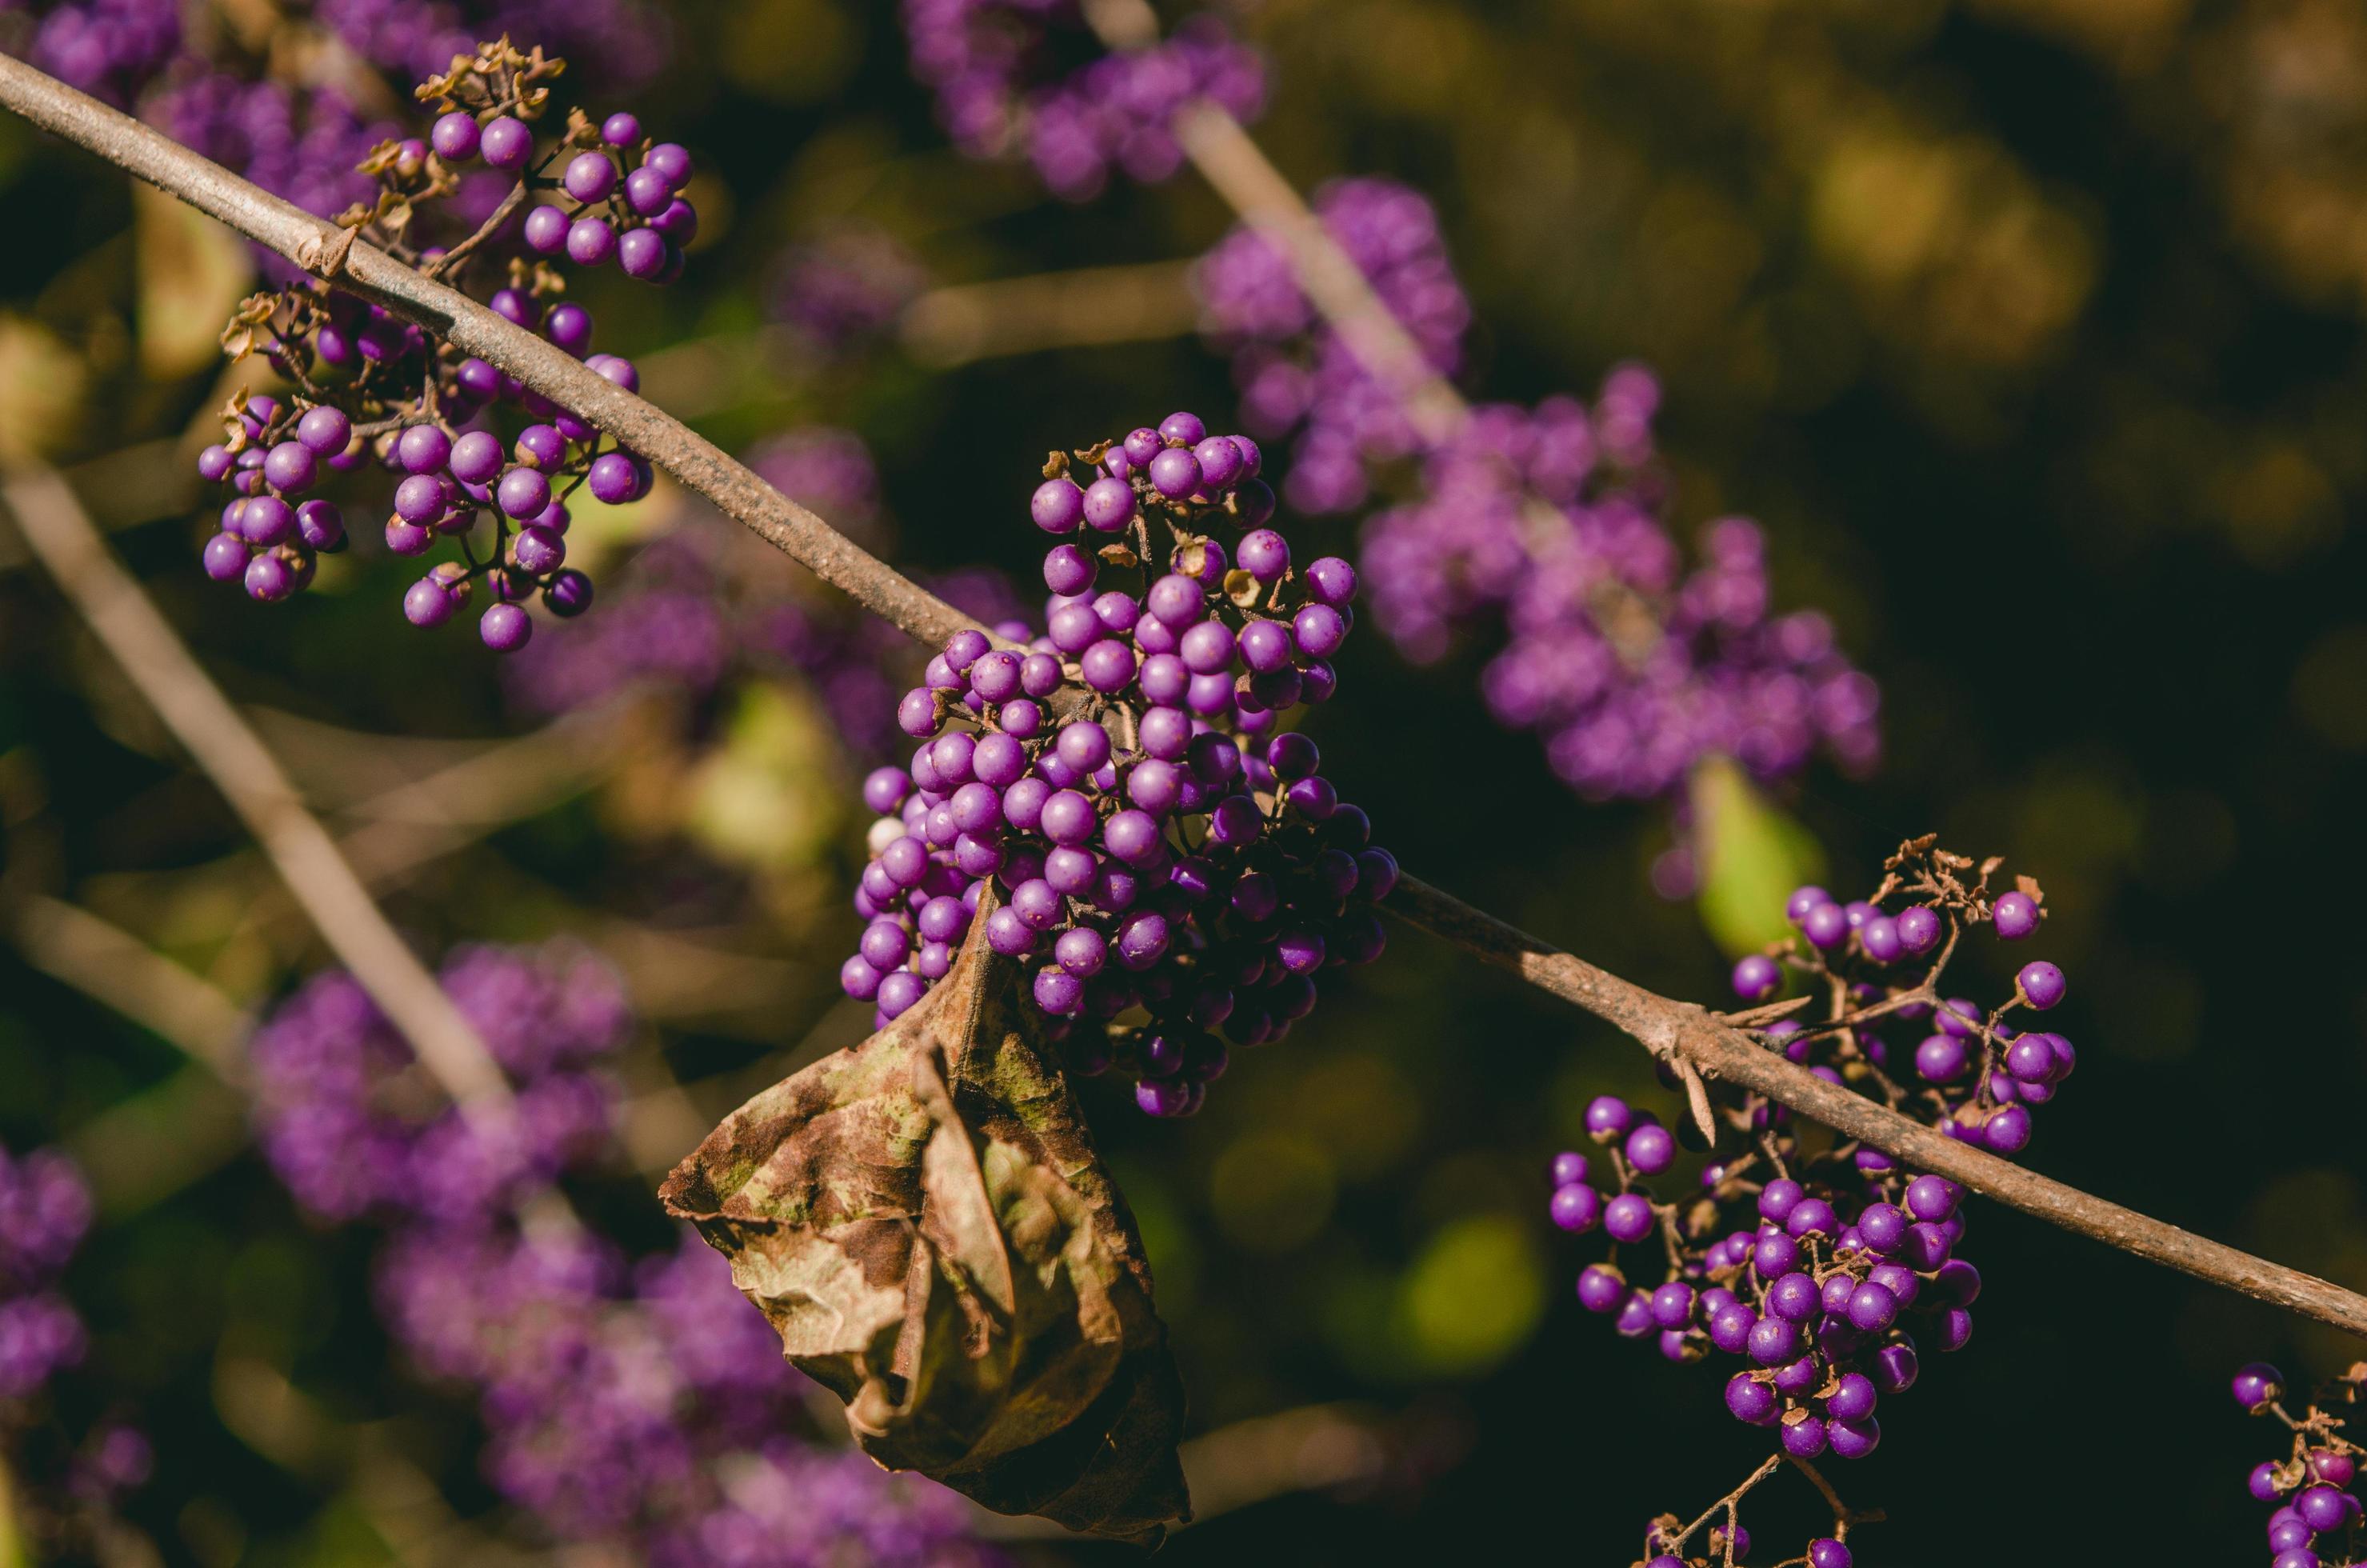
{"x": 109, "y": 48}
{"x": 1295, "y": 372}
{"x": 1629, "y": 665}
{"x": 1548, "y": 523}
{"x": 345, "y": 1126}
{"x": 120, "y": 50}
{"x": 1159, "y": 847}
{"x": 45, "y": 1210}
{"x": 372, "y": 388}
{"x": 639, "y": 1403}
{"x": 991, "y": 63}
{"x": 2318, "y": 1519}
{"x": 66, "y": 1477}
{"x": 842, "y": 289}
{"x": 1822, "y": 1264}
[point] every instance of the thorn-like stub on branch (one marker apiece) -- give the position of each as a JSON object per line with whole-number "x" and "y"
{"x": 1697, "y": 1100}
{"x": 327, "y": 261}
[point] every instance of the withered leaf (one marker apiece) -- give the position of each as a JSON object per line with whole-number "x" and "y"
{"x": 924, "y": 1220}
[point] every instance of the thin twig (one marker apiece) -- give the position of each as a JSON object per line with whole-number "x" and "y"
{"x": 1663, "y": 1025}
{"x": 1725, "y": 1505}
{"x": 70, "y": 944}
{"x": 161, "y": 666}
{"x": 1142, "y": 302}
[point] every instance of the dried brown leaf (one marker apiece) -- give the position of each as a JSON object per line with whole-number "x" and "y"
{"x": 925, "y": 1222}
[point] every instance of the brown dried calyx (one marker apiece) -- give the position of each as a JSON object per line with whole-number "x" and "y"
{"x": 924, "y": 1220}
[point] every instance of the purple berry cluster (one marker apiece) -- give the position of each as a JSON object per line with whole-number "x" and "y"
{"x": 256, "y": 98}
{"x": 1548, "y": 523}
{"x": 1295, "y": 373}
{"x": 342, "y": 1124}
{"x": 2318, "y": 1522}
{"x": 631, "y": 1403}
{"x": 305, "y": 144}
{"x": 67, "y": 1481}
{"x": 1822, "y": 1265}
{"x": 842, "y": 289}
{"x": 1161, "y": 851}
{"x": 109, "y": 48}
{"x": 468, "y": 442}
{"x": 45, "y": 1211}
{"x": 1630, "y": 666}
{"x": 1000, "y": 90}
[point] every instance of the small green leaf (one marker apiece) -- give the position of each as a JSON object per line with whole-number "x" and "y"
{"x": 1750, "y": 854}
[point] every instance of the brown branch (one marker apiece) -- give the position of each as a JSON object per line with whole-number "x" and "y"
{"x": 1683, "y": 1030}
{"x": 1667, "y": 1027}
{"x": 161, "y": 666}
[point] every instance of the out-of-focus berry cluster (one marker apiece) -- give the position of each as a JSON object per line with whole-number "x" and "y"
{"x": 1630, "y": 665}
{"x": 45, "y": 1210}
{"x": 638, "y": 1403}
{"x": 1001, "y": 88}
{"x": 1165, "y": 855}
{"x": 473, "y": 445}
{"x": 63, "y": 1480}
{"x": 346, "y": 1122}
{"x": 1297, "y": 377}
{"x": 1820, "y": 1263}
{"x": 1547, "y": 528}
{"x": 2318, "y": 1521}
{"x": 840, "y": 291}
{"x": 274, "y": 95}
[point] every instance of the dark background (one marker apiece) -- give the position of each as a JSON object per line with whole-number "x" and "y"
{"x": 2030, "y": 328}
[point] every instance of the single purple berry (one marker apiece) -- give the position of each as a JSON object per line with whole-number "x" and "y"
{"x": 325, "y": 430}
{"x": 523, "y": 493}
{"x": 2016, "y": 916}
{"x": 589, "y": 242}
{"x": 225, "y": 558}
{"x": 2257, "y": 1385}
{"x": 505, "y": 143}
{"x": 422, "y": 450}
{"x": 1109, "y": 505}
{"x": 545, "y": 230}
{"x": 1919, "y": 930}
{"x": 1057, "y": 506}
{"x": 506, "y": 628}
{"x": 1628, "y": 1218}
{"x": 1576, "y": 1208}
{"x": 1757, "y": 978}
{"x": 455, "y": 136}
{"x": 1826, "y": 925}
{"x": 568, "y": 595}
{"x": 2040, "y": 984}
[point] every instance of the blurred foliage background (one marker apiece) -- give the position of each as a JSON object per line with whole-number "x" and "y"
{"x": 2032, "y": 329}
